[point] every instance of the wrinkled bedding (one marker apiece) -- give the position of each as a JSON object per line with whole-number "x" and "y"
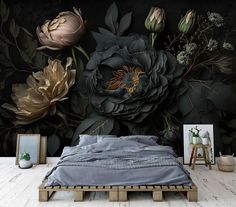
{"x": 117, "y": 161}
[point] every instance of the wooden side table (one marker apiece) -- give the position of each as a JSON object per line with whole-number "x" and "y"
{"x": 194, "y": 156}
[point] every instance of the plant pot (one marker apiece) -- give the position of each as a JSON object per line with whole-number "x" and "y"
{"x": 196, "y": 140}
{"x": 205, "y": 141}
{"x": 24, "y": 164}
{"x": 226, "y": 163}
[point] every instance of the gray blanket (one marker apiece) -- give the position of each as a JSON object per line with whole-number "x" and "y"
{"x": 112, "y": 155}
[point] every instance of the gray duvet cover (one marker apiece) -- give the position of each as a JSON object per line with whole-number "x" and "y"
{"x": 118, "y": 162}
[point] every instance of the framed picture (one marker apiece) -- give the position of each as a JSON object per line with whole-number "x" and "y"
{"x": 43, "y": 150}
{"x": 29, "y": 143}
{"x": 206, "y": 137}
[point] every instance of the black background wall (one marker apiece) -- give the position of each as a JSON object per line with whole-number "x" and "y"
{"x": 30, "y": 14}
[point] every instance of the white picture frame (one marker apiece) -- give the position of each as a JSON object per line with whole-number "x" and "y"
{"x": 188, "y": 142}
{"x": 29, "y": 143}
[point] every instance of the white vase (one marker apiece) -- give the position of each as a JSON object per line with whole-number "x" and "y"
{"x": 205, "y": 141}
{"x": 196, "y": 140}
{"x": 190, "y": 137}
{"x": 25, "y": 164}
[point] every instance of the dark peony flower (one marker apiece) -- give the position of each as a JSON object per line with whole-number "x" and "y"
{"x": 127, "y": 79}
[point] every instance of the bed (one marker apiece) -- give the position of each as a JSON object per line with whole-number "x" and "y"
{"x": 109, "y": 162}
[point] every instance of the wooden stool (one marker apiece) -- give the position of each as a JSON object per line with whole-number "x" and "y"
{"x": 194, "y": 156}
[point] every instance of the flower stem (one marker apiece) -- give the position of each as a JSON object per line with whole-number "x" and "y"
{"x": 154, "y": 36}
{"x": 79, "y": 48}
{"x": 74, "y": 58}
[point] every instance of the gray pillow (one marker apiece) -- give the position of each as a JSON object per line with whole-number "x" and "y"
{"x": 144, "y": 139}
{"x": 86, "y": 139}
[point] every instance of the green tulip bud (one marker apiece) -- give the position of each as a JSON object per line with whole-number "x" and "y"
{"x": 155, "y": 21}
{"x": 186, "y": 23}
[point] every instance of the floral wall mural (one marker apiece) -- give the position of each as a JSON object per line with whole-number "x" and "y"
{"x": 124, "y": 67}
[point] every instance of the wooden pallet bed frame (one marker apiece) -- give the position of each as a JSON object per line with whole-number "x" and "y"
{"x": 119, "y": 193}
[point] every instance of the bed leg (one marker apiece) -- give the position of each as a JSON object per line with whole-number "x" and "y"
{"x": 123, "y": 196}
{"x": 43, "y": 196}
{"x": 192, "y": 196}
{"x": 113, "y": 196}
{"x": 79, "y": 196}
{"x": 157, "y": 196}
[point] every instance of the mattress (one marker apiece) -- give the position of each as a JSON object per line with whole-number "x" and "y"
{"x": 117, "y": 161}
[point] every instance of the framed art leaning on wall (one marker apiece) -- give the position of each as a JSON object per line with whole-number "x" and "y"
{"x": 28, "y": 143}
{"x": 198, "y": 134}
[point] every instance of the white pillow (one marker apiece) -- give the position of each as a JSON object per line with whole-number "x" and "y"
{"x": 86, "y": 139}
{"x": 145, "y": 139}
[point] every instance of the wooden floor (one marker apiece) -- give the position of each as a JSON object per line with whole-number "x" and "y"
{"x": 19, "y": 188}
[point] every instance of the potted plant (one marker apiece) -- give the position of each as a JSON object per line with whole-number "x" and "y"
{"x": 25, "y": 160}
{"x": 206, "y": 138}
{"x": 196, "y": 137}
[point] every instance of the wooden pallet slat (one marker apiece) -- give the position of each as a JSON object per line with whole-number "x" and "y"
{"x": 79, "y": 196}
{"x": 143, "y": 187}
{"x": 113, "y": 195}
{"x": 71, "y": 187}
{"x": 150, "y": 187}
{"x": 157, "y": 187}
{"x": 157, "y": 195}
{"x": 165, "y": 187}
{"x": 119, "y": 193}
{"x": 192, "y": 196}
{"x": 172, "y": 187}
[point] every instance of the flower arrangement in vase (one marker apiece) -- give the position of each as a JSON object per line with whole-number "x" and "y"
{"x": 196, "y": 136}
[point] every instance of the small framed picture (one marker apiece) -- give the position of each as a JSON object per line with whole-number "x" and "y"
{"x": 198, "y": 134}
{"x": 29, "y": 143}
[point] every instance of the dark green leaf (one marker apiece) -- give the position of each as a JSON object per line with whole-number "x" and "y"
{"x": 194, "y": 105}
{"x": 27, "y": 43}
{"x": 53, "y": 144}
{"x": 3, "y": 8}
{"x": 124, "y": 23}
{"x": 223, "y": 96}
{"x": 112, "y": 17}
{"x": 105, "y": 31}
{"x": 202, "y": 101}
{"x": 5, "y": 114}
{"x": 4, "y": 80}
{"x": 25, "y": 57}
{"x": 137, "y": 128}
{"x": 80, "y": 68}
{"x": 5, "y": 16}
{"x": 14, "y": 29}
{"x": 39, "y": 60}
{"x": 79, "y": 65}
{"x": 26, "y": 31}
{"x": 4, "y": 61}
{"x": 69, "y": 133}
{"x": 102, "y": 38}
{"x": 231, "y": 124}
{"x": 94, "y": 125}
{"x": 80, "y": 104}
{"x": 4, "y": 49}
